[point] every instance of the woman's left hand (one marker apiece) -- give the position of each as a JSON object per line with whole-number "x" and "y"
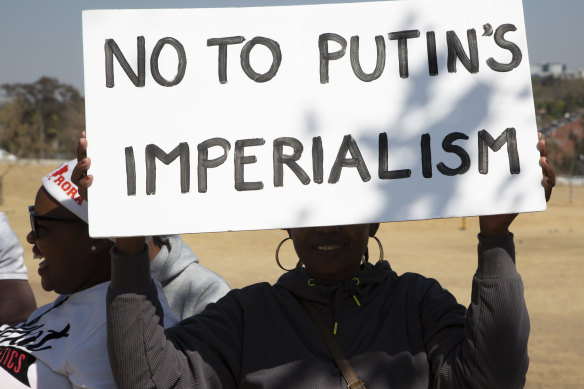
{"x": 498, "y": 225}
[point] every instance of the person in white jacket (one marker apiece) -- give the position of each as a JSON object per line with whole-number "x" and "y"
{"x": 16, "y": 297}
{"x": 63, "y": 344}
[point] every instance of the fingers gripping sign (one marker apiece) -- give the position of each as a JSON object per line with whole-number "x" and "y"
{"x": 549, "y": 177}
{"x": 79, "y": 175}
{"x": 129, "y": 246}
{"x": 498, "y": 225}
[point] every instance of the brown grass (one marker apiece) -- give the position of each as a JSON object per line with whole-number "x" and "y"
{"x": 550, "y": 246}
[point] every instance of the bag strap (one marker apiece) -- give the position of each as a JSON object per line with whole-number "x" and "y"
{"x": 353, "y": 382}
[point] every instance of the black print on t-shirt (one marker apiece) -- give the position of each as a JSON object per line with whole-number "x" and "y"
{"x": 17, "y": 342}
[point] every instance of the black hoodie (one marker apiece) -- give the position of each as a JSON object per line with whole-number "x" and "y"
{"x": 397, "y": 331}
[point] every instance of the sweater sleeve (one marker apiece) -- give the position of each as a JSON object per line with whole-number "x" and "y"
{"x": 142, "y": 355}
{"x": 488, "y": 348}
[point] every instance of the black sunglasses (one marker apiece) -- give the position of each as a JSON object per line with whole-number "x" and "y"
{"x": 34, "y": 218}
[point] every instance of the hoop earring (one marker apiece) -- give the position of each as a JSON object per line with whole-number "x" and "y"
{"x": 278, "y": 254}
{"x": 380, "y": 249}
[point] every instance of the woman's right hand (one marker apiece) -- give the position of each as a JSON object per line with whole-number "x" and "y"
{"x": 79, "y": 175}
{"x": 125, "y": 246}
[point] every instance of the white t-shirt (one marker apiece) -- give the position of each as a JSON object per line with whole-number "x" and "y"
{"x": 11, "y": 253}
{"x": 63, "y": 344}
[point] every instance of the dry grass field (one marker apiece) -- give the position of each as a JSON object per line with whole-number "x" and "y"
{"x": 550, "y": 248}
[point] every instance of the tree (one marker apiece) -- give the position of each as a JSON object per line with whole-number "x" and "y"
{"x": 555, "y": 97}
{"x": 42, "y": 119}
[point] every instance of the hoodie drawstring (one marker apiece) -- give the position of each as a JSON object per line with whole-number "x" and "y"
{"x": 350, "y": 287}
{"x": 357, "y": 282}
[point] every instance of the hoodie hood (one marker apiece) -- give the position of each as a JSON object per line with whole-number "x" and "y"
{"x": 303, "y": 286}
{"x": 359, "y": 288}
{"x": 173, "y": 258}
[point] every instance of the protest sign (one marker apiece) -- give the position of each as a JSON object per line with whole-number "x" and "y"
{"x": 219, "y": 119}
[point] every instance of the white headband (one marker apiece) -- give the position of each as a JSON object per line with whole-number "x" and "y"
{"x": 59, "y": 185}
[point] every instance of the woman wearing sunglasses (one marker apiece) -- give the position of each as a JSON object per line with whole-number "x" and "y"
{"x": 63, "y": 344}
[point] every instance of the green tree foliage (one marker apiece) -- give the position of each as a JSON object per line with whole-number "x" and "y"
{"x": 41, "y": 120}
{"x": 554, "y": 97}
{"x": 567, "y": 163}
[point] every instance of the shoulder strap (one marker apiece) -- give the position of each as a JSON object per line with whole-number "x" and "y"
{"x": 353, "y": 382}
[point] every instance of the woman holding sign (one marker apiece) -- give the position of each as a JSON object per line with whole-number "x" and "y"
{"x": 334, "y": 322}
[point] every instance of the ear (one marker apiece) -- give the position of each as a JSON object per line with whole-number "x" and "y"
{"x": 98, "y": 246}
{"x": 373, "y": 227}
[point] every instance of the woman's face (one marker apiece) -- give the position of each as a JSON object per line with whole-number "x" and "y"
{"x": 332, "y": 253}
{"x": 62, "y": 242}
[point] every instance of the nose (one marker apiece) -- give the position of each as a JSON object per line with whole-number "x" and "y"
{"x": 329, "y": 229}
{"x": 31, "y": 238}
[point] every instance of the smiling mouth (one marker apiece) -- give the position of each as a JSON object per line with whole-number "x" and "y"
{"x": 328, "y": 247}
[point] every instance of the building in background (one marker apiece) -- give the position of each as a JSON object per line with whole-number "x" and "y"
{"x": 556, "y": 70}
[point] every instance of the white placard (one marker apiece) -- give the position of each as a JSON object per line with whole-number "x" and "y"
{"x": 289, "y": 116}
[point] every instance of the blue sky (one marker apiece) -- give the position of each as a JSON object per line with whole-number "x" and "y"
{"x": 43, "y": 37}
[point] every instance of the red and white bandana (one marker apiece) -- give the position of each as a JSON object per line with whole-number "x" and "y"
{"x": 59, "y": 185}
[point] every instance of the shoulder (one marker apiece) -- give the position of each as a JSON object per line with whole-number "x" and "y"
{"x": 420, "y": 289}
{"x": 55, "y": 305}
{"x": 7, "y": 235}
{"x": 416, "y": 279}
{"x": 196, "y": 287}
{"x": 235, "y": 305}
{"x": 250, "y": 294}
{"x": 202, "y": 275}
{"x": 84, "y": 311}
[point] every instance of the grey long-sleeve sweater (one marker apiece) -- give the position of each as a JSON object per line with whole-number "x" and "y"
{"x": 398, "y": 331}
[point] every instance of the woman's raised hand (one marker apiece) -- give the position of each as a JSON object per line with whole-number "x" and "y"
{"x": 79, "y": 175}
{"x": 549, "y": 176}
{"x": 498, "y": 225}
{"x": 127, "y": 246}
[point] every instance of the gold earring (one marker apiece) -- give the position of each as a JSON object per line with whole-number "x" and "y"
{"x": 380, "y": 249}
{"x": 278, "y": 254}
